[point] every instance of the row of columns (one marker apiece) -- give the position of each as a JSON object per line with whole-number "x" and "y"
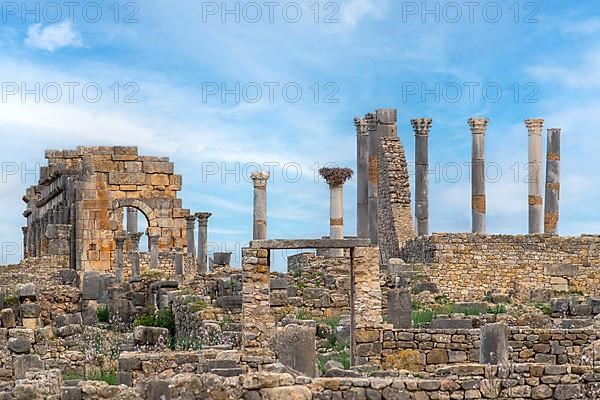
{"x": 478, "y": 127}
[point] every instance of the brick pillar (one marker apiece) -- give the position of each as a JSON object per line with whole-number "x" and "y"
{"x": 534, "y": 175}
{"x": 259, "y": 180}
{"x": 120, "y": 242}
{"x": 362, "y": 178}
{"x": 478, "y": 200}
{"x": 421, "y": 128}
{"x": 552, "y": 182}
{"x": 202, "y": 241}
{"x": 190, "y": 222}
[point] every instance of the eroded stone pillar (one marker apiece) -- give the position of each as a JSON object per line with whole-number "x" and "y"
{"x": 153, "y": 243}
{"x": 534, "y": 175}
{"x": 552, "y": 182}
{"x": 179, "y": 262}
{"x": 190, "y": 222}
{"x": 202, "y": 241}
{"x": 25, "y": 241}
{"x": 135, "y": 253}
{"x": 120, "y": 243}
{"x": 362, "y": 183}
{"x": 373, "y": 178}
{"x": 259, "y": 179}
{"x": 335, "y": 178}
{"x": 132, "y": 220}
{"x": 421, "y": 128}
{"x": 478, "y": 200}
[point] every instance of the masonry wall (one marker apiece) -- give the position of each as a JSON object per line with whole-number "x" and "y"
{"x": 466, "y": 266}
{"x": 394, "y": 211}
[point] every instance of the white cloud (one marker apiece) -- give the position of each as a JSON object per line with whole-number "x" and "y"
{"x": 585, "y": 75}
{"x": 53, "y": 37}
{"x": 586, "y": 27}
{"x": 353, "y": 11}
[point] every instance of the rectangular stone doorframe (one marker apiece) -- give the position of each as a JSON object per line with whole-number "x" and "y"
{"x": 257, "y": 319}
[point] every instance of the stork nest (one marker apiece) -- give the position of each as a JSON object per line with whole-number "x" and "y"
{"x": 336, "y": 176}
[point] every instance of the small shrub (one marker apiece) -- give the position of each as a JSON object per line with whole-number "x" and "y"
{"x": 301, "y": 314}
{"x": 498, "y": 309}
{"x": 422, "y": 317}
{"x": 162, "y": 319}
{"x": 102, "y": 313}
{"x": 107, "y": 376}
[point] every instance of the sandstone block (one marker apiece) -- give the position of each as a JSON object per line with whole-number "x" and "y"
{"x": 8, "y": 318}
{"x": 27, "y": 291}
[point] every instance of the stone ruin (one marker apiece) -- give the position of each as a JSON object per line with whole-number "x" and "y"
{"x": 393, "y": 312}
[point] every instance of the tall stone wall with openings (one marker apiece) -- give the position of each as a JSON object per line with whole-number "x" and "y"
{"x": 394, "y": 211}
{"x": 466, "y": 266}
{"x": 77, "y": 206}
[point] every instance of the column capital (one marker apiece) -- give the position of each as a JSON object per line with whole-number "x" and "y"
{"x": 371, "y": 120}
{"x": 190, "y": 219}
{"x": 260, "y": 178}
{"x": 154, "y": 238}
{"x": 387, "y": 116}
{"x": 120, "y": 239}
{"x": 135, "y": 236}
{"x": 203, "y": 217}
{"x": 534, "y": 125}
{"x": 336, "y": 177}
{"x": 421, "y": 126}
{"x": 361, "y": 126}
{"x": 478, "y": 125}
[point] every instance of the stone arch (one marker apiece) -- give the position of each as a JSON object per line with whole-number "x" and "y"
{"x": 140, "y": 206}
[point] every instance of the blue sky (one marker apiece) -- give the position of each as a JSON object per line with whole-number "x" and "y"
{"x": 535, "y": 59}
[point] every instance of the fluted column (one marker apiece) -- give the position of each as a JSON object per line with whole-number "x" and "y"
{"x": 202, "y": 241}
{"x": 119, "y": 244}
{"x": 259, "y": 180}
{"x": 190, "y": 222}
{"x": 534, "y": 175}
{"x": 373, "y": 178}
{"x": 362, "y": 178}
{"x": 478, "y": 200}
{"x": 132, "y": 220}
{"x": 335, "y": 178}
{"x": 421, "y": 128}
{"x": 153, "y": 242}
{"x": 552, "y": 182}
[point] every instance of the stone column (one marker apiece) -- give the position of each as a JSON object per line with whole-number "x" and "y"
{"x": 135, "y": 253}
{"x": 552, "y": 182}
{"x": 202, "y": 241}
{"x": 132, "y": 220}
{"x": 335, "y": 178}
{"x": 478, "y": 201}
{"x": 534, "y": 174}
{"x": 25, "y": 239}
{"x": 179, "y": 262}
{"x": 362, "y": 183}
{"x": 190, "y": 222}
{"x": 421, "y": 128}
{"x": 373, "y": 177}
{"x": 259, "y": 180}
{"x": 120, "y": 242}
{"x": 153, "y": 241}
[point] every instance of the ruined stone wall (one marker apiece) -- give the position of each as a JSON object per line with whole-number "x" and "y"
{"x": 166, "y": 265}
{"x": 394, "y": 211}
{"x": 426, "y": 349}
{"x": 466, "y": 267}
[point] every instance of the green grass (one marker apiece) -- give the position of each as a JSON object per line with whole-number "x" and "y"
{"x": 102, "y": 313}
{"x": 301, "y": 314}
{"x": 498, "y": 309}
{"x": 543, "y": 307}
{"x": 343, "y": 357}
{"x": 109, "y": 377}
{"x": 422, "y": 317}
{"x": 162, "y": 319}
{"x": 186, "y": 344}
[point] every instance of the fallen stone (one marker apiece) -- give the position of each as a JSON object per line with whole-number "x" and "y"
{"x": 19, "y": 345}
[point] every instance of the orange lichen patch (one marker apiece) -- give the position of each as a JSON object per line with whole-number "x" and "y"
{"x": 535, "y": 200}
{"x": 550, "y": 221}
{"x": 478, "y": 203}
{"x": 336, "y": 221}
{"x": 553, "y": 156}
{"x": 553, "y": 186}
{"x": 373, "y": 169}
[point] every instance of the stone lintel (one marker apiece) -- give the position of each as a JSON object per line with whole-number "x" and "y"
{"x": 276, "y": 244}
{"x": 560, "y": 270}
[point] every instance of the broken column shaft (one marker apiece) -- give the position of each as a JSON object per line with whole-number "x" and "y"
{"x": 534, "y": 174}
{"x": 362, "y": 183}
{"x": 202, "y": 241}
{"x": 153, "y": 242}
{"x": 478, "y": 200}
{"x": 190, "y": 224}
{"x": 259, "y": 180}
{"x": 120, "y": 242}
{"x": 421, "y": 128}
{"x": 552, "y": 182}
{"x": 132, "y": 220}
{"x": 373, "y": 175}
{"x": 335, "y": 178}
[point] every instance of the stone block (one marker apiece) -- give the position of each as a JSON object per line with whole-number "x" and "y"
{"x": 158, "y": 167}
{"x": 27, "y": 363}
{"x": 126, "y": 178}
{"x": 31, "y": 323}
{"x": 278, "y": 284}
{"x": 2, "y": 296}
{"x": 150, "y": 335}
{"x": 125, "y": 378}
{"x": 576, "y": 323}
{"x": 89, "y": 312}
{"x": 425, "y": 286}
{"x": 91, "y": 286}
{"x": 121, "y": 311}
{"x": 27, "y": 291}
{"x": 69, "y": 330}
{"x": 30, "y": 310}
{"x": 69, "y": 277}
{"x": 581, "y": 309}
{"x": 560, "y": 270}
{"x": 559, "y": 305}
{"x": 437, "y": 356}
{"x": 295, "y": 348}
{"x": 494, "y": 344}
{"x": 68, "y": 319}
{"x": 451, "y": 323}
{"x": 399, "y": 308}
{"x": 129, "y": 362}
{"x": 286, "y": 392}
{"x": 156, "y": 389}
{"x": 19, "y": 345}
{"x": 7, "y": 316}
{"x": 568, "y": 392}
{"x": 70, "y": 393}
